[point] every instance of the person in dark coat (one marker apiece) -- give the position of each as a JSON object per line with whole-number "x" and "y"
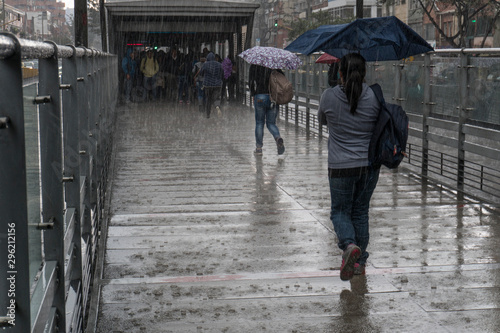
{"x": 129, "y": 67}
{"x": 172, "y": 73}
{"x": 212, "y": 83}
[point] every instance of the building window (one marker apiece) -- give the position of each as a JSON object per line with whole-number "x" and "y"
{"x": 367, "y": 11}
{"x": 417, "y": 27}
{"x": 348, "y": 12}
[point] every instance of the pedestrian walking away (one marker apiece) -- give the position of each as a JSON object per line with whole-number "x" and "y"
{"x": 232, "y": 82}
{"x": 350, "y": 111}
{"x": 198, "y": 80}
{"x": 212, "y": 82}
{"x": 184, "y": 74}
{"x": 227, "y": 67}
{"x": 333, "y": 74}
{"x": 173, "y": 62}
{"x": 266, "y": 111}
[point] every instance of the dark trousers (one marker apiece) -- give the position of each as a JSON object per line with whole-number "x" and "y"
{"x": 212, "y": 96}
{"x": 231, "y": 87}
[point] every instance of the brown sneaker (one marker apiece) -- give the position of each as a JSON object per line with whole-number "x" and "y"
{"x": 349, "y": 258}
{"x": 359, "y": 269}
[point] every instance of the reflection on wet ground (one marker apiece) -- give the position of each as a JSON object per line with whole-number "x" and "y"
{"x": 206, "y": 237}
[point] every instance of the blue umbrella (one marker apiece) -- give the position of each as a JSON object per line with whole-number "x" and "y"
{"x": 376, "y": 39}
{"x": 309, "y": 41}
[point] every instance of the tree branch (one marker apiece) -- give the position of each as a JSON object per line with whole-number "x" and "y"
{"x": 436, "y": 25}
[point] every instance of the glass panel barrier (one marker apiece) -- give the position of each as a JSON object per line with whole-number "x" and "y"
{"x": 484, "y": 76}
{"x": 413, "y": 91}
{"x": 445, "y": 83}
{"x": 383, "y": 73}
{"x": 32, "y": 178}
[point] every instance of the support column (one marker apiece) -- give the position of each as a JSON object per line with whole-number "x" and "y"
{"x": 462, "y": 117}
{"x": 14, "y": 261}
{"x": 71, "y": 175}
{"x": 51, "y": 176}
{"x": 426, "y": 111}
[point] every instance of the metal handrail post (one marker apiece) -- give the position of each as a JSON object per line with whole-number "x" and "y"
{"x": 84, "y": 150}
{"x": 323, "y": 85}
{"x": 398, "y": 82}
{"x": 72, "y": 162}
{"x": 426, "y": 111}
{"x": 51, "y": 175}
{"x": 83, "y": 132}
{"x": 14, "y": 246}
{"x": 98, "y": 107}
{"x": 105, "y": 137}
{"x": 462, "y": 117}
{"x": 296, "y": 83}
{"x": 308, "y": 93}
{"x": 93, "y": 135}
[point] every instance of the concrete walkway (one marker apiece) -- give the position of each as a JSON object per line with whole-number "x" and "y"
{"x": 203, "y": 236}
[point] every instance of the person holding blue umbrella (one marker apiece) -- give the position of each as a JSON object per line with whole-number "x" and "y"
{"x": 350, "y": 110}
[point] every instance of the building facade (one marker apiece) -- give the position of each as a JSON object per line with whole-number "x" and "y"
{"x": 41, "y": 19}
{"x": 14, "y": 19}
{"x": 341, "y": 9}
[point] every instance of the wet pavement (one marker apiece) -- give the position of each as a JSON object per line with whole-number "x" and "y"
{"x": 203, "y": 236}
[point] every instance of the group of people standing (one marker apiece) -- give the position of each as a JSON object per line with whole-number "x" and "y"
{"x": 179, "y": 77}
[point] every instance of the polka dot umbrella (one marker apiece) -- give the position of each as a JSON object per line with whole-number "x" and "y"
{"x": 271, "y": 57}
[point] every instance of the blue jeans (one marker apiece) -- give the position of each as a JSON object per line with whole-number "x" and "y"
{"x": 128, "y": 88}
{"x": 350, "y": 198}
{"x": 201, "y": 92}
{"x": 183, "y": 88}
{"x": 265, "y": 115}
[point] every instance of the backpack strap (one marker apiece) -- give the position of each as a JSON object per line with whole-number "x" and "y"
{"x": 382, "y": 119}
{"x": 271, "y": 71}
{"x": 377, "y": 90}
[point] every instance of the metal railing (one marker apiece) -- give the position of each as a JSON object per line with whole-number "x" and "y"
{"x": 451, "y": 97}
{"x": 55, "y": 144}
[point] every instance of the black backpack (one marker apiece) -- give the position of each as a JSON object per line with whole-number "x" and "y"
{"x": 388, "y": 143}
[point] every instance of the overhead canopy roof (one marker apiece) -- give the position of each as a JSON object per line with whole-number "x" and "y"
{"x": 179, "y": 15}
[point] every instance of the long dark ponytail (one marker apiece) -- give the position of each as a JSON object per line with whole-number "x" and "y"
{"x": 353, "y": 70}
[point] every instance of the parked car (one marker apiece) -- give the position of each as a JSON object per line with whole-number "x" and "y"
{"x": 28, "y": 64}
